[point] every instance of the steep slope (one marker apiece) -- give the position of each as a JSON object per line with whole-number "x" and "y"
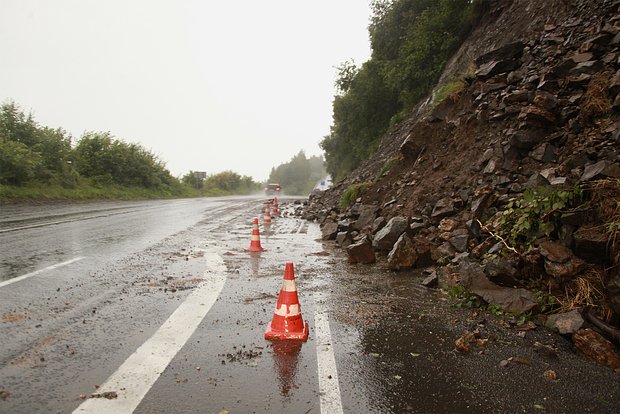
{"x": 537, "y": 122}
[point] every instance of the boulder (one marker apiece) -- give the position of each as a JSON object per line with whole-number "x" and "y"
{"x": 443, "y": 208}
{"x": 533, "y": 115}
{"x": 591, "y": 244}
{"x": 361, "y": 252}
{"x": 501, "y": 271}
{"x": 343, "y": 239}
{"x": 459, "y": 241}
{"x": 378, "y": 224}
{"x": 546, "y": 101}
{"x": 423, "y": 248}
{"x": 565, "y": 323}
{"x": 512, "y": 50}
{"x": 329, "y": 229}
{"x": 590, "y": 67}
{"x": 593, "y": 171}
{"x": 367, "y": 215}
{"x": 386, "y": 237}
{"x": 447, "y": 224}
{"x": 484, "y": 198}
{"x": 526, "y": 139}
{"x": 514, "y": 300}
{"x": 403, "y": 254}
{"x": 410, "y": 149}
{"x": 545, "y": 153}
{"x": 565, "y": 270}
{"x": 596, "y": 348}
{"x": 495, "y": 67}
{"x": 555, "y": 252}
{"x": 431, "y": 281}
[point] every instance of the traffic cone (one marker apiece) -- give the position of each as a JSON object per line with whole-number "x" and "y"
{"x": 287, "y": 322}
{"x": 255, "y": 241}
{"x": 275, "y": 211}
{"x": 267, "y": 216}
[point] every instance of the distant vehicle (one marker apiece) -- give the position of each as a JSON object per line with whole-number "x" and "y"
{"x": 272, "y": 189}
{"x": 324, "y": 184}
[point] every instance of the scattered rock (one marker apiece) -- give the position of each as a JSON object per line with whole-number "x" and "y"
{"x": 591, "y": 244}
{"x": 361, "y": 252}
{"x": 329, "y": 230}
{"x": 566, "y": 323}
{"x": 367, "y": 215}
{"x": 495, "y": 67}
{"x": 403, "y": 255}
{"x": 443, "y": 208}
{"x": 431, "y": 281}
{"x": 386, "y": 237}
{"x": 596, "y": 348}
{"x": 509, "y": 299}
{"x": 550, "y": 375}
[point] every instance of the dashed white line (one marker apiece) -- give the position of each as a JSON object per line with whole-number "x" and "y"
{"x": 133, "y": 379}
{"x": 329, "y": 390}
{"x": 37, "y": 272}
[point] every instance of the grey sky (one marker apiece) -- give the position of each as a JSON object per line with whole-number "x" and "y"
{"x": 205, "y": 85}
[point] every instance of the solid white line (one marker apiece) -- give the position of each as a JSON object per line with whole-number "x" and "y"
{"x": 133, "y": 379}
{"x": 329, "y": 390}
{"x": 36, "y": 272}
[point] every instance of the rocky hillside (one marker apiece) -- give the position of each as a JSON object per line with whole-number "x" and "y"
{"x": 508, "y": 188}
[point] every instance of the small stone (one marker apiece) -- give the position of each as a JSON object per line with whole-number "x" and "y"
{"x": 431, "y": 281}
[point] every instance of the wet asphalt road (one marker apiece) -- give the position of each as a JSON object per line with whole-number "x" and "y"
{"x": 127, "y": 267}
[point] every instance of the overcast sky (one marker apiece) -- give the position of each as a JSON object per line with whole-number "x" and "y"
{"x": 205, "y": 85}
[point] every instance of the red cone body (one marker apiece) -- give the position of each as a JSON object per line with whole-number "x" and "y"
{"x": 275, "y": 211}
{"x": 255, "y": 241}
{"x": 287, "y": 322}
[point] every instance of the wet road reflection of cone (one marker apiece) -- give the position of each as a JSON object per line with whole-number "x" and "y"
{"x": 287, "y": 322}
{"x": 286, "y": 358}
{"x": 275, "y": 211}
{"x": 255, "y": 241}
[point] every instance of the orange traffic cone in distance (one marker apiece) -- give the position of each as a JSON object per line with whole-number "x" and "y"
{"x": 287, "y": 322}
{"x": 267, "y": 216}
{"x": 255, "y": 241}
{"x": 275, "y": 211}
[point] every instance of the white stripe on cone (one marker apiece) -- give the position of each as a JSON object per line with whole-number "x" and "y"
{"x": 293, "y": 310}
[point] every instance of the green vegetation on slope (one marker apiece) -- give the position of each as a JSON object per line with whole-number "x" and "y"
{"x": 411, "y": 42}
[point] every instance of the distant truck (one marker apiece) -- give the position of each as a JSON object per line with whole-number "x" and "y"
{"x": 272, "y": 189}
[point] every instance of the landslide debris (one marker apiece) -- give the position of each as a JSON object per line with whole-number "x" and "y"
{"x": 510, "y": 186}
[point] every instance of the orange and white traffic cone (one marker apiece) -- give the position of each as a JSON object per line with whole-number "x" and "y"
{"x": 267, "y": 216}
{"x": 274, "y": 210}
{"x": 255, "y": 241}
{"x": 287, "y": 322}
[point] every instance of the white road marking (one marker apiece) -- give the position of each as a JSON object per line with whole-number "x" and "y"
{"x": 329, "y": 390}
{"x": 133, "y": 379}
{"x": 36, "y": 272}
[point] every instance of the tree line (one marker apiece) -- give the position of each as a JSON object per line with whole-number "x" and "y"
{"x": 299, "y": 175}
{"x": 411, "y": 41}
{"x": 32, "y": 155}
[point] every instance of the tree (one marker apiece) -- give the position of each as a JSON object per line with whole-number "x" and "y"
{"x": 411, "y": 42}
{"x": 299, "y": 175}
{"x": 18, "y": 164}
